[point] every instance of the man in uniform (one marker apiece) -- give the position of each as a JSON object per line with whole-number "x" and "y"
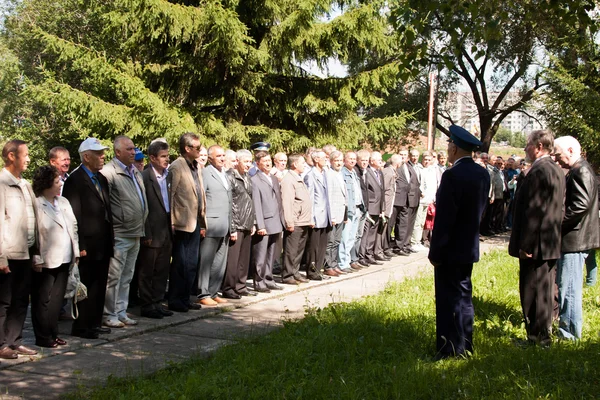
{"x": 461, "y": 200}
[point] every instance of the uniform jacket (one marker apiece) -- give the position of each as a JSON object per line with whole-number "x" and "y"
{"x": 158, "y": 224}
{"x": 188, "y": 207}
{"x": 218, "y": 203}
{"x": 93, "y": 213}
{"x": 337, "y": 196}
{"x": 51, "y": 232}
{"x": 461, "y": 199}
{"x": 317, "y": 189}
{"x": 243, "y": 217}
{"x": 375, "y": 191}
{"x": 538, "y": 213}
{"x": 297, "y": 205}
{"x": 580, "y": 223}
{"x": 129, "y": 213}
{"x": 13, "y": 220}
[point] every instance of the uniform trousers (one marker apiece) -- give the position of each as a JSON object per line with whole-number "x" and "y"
{"x": 293, "y": 249}
{"x": 454, "y": 312}
{"x": 47, "y": 295}
{"x": 14, "y": 300}
{"x": 238, "y": 262}
{"x": 536, "y": 287}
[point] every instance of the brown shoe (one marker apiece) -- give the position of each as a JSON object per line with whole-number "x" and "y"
{"x": 339, "y": 271}
{"x": 330, "y": 272}
{"x": 290, "y": 281}
{"x": 355, "y": 267}
{"x": 220, "y": 300}
{"x": 207, "y": 301}
{"x": 24, "y": 351}
{"x": 8, "y": 354}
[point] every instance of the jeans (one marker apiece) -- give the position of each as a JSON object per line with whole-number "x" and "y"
{"x": 569, "y": 278}
{"x": 120, "y": 273}
{"x": 591, "y": 269}
{"x": 348, "y": 240}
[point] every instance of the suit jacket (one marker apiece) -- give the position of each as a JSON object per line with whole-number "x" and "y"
{"x": 267, "y": 203}
{"x": 375, "y": 192}
{"x": 317, "y": 189}
{"x": 414, "y": 196}
{"x": 52, "y": 240}
{"x": 218, "y": 202}
{"x": 158, "y": 224}
{"x": 537, "y": 213}
{"x": 337, "y": 196}
{"x": 362, "y": 177}
{"x": 188, "y": 207}
{"x": 461, "y": 199}
{"x": 14, "y": 220}
{"x": 389, "y": 182}
{"x": 408, "y": 192}
{"x": 580, "y": 223}
{"x": 93, "y": 213}
{"x": 297, "y": 205}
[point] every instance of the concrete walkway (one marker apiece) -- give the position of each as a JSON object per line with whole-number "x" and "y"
{"x": 154, "y": 344}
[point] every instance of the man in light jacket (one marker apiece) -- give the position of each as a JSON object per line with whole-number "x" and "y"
{"x": 18, "y": 243}
{"x": 129, "y": 211}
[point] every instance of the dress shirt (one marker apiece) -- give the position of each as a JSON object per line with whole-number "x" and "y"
{"x": 162, "y": 183}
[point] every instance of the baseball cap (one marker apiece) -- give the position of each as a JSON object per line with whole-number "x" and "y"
{"x": 91, "y": 144}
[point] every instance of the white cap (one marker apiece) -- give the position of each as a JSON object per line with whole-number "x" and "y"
{"x": 91, "y": 144}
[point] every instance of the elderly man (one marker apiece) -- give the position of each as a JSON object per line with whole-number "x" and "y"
{"x": 535, "y": 239}
{"x": 215, "y": 237}
{"x": 455, "y": 244}
{"x": 155, "y": 251}
{"x": 87, "y": 191}
{"x": 266, "y": 243}
{"x": 297, "y": 211}
{"x": 188, "y": 206}
{"x": 279, "y": 165}
{"x": 129, "y": 211}
{"x": 242, "y": 228}
{"x": 580, "y": 234}
{"x": 18, "y": 244}
{"x": 375, "y": 210}
{"x": 355, "y": 211}
{"x": 338, "y": 204}
{"x": 406, "y": 202}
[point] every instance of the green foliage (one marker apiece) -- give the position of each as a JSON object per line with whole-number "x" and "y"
{"x": 382, "y": 347}
{"x": 514, "y": 139}
{"x": 232, "y": 71}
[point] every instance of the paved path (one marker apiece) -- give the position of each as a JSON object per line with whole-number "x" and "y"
{"x": 153, "y": 344}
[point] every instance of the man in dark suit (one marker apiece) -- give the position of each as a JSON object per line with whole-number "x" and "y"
{"x": 454, "y": 247}
{"x": 406, "y": 202}
{"x": 266, "y": 195}
{"x": 580, "y": 234}
{"x": 375, "y": 209}
{"x": 215, "y": 238}
{"x": 535, "y": 238}
{"x": 87, "y": 191}
{"x": 155, "y": 251}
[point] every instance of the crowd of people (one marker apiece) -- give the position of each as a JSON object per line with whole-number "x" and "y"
{"x": 182, "y": 235}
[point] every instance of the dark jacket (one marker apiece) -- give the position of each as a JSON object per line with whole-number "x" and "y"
{"x": 538, "y": 212}
{"x": 242, "y": 207}
{"x": 461, "y": 199}
{"x": 158, "y": 224}
{"x": 408, "y": 192}
{"x": 375, "y": 192}
{"x": 93, "y": 214}
{"x": 580, "y": 223}
{"x": 361, "y": 174}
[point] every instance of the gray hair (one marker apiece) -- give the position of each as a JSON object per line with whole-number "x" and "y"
{"x": 565, "y": 142}
{"x": 243, "y": 153}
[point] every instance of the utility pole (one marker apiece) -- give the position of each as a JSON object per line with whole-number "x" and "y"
{"x": 431, "y": 114}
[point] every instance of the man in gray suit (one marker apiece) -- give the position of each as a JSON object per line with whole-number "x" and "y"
{"x": 338, "y": 203}
{"x": 266, "y": 195}
{"x": 215, "y": 238}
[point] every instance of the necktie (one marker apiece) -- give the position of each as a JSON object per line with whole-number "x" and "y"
{"x": 97, "y": 184}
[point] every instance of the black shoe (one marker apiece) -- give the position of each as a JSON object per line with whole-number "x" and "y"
{"x": 178, "y": 308}
{"x": 86, "y": 334}
{"x": 247, "y": 293}
{"x": 262, "y": 290}
{"x": 233, "y": 296}
{"x": 48, "y": 344}
{"x": 152, "y": 313}
{"x": 374, "y": 262}
{"x": 389, "y": 254}
{"x": 194, "y": 306}
{"x": 300, "y": 279}
{"x": 164, "y": 311}
{"x": 102, "y": 330}
{"x": 315, "y": 277}
{"x": 408, "y": 250}
{"x": 274, "y": 286}
{"x": 382, "y": 258}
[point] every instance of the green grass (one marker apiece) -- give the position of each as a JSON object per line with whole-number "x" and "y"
{"x": 382, "y": 347}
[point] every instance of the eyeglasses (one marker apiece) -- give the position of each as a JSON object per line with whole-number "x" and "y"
{"x": 197, "y": 148}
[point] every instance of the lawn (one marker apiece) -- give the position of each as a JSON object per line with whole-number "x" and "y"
{"x": 382, "y": 347}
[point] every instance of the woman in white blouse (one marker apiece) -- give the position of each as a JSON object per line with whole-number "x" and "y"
{"x": 59, "y": 249}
